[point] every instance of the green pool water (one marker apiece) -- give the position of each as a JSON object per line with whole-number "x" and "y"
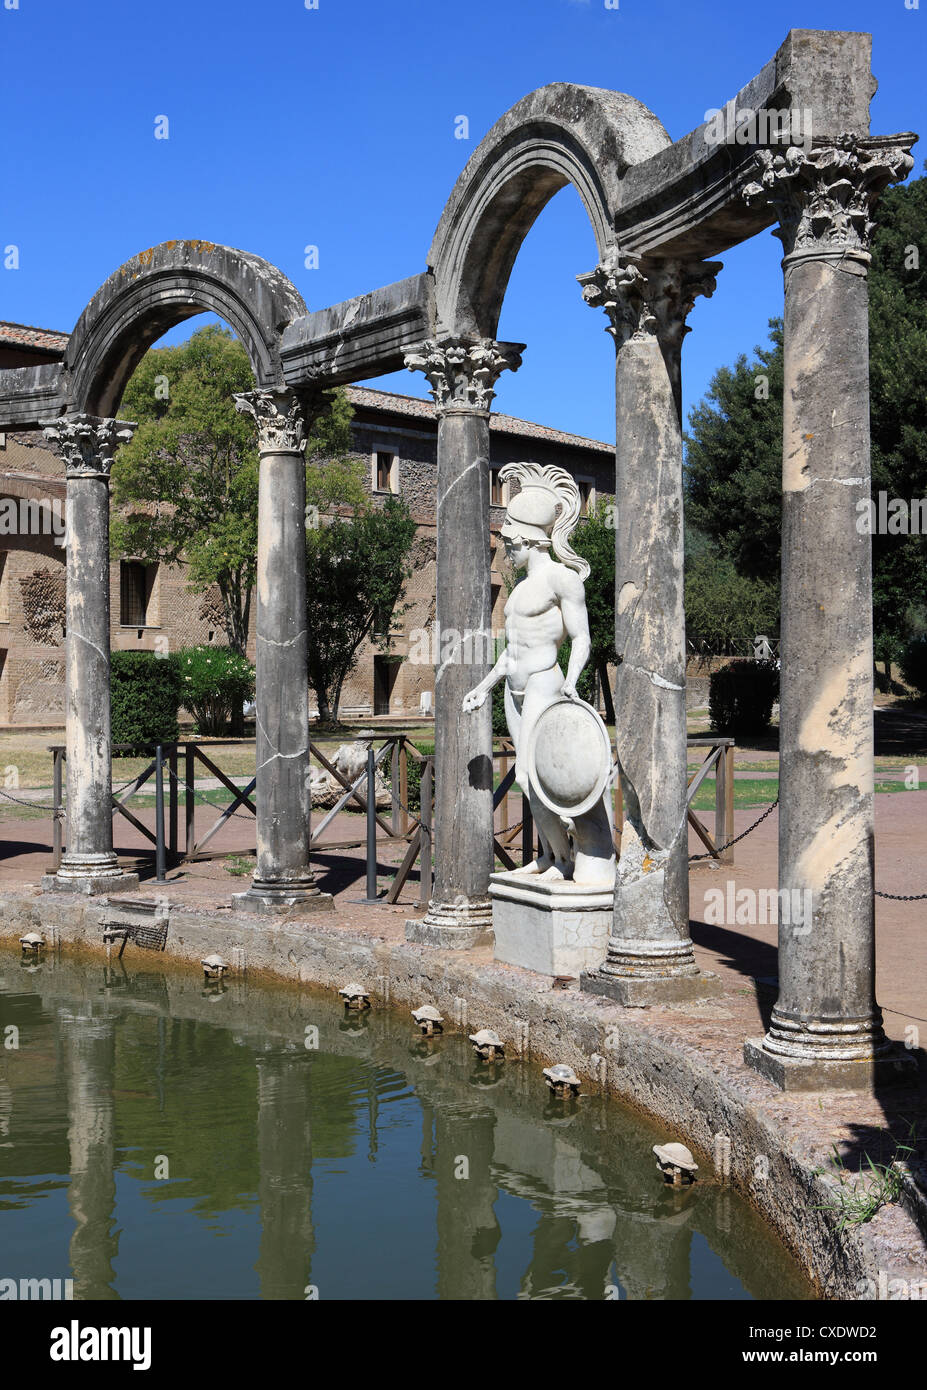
{"x": 165, "y": 1139}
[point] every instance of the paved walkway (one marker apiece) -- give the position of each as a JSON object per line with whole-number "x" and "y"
{"x": 742, "y": 953}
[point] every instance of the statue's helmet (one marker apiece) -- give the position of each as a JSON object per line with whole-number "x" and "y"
{"x": 531, "y": 515}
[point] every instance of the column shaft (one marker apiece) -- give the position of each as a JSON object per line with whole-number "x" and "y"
{"x": 650, "y": 957}
{"x": 826, "y": 1027}
{"x": 462, "y": 373}
{"x": 463, "y": 742}
{"x": 283, "y": 880}
{"x": 89, "y": 864}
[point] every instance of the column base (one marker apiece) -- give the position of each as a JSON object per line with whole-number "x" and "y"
{"x": 453, "y": 926}
{"x": 283, "y": 900}
{"x": 90, "y": 874}
{"x": 641, "y": 992}
{"x": 639, "y": 973}
{"x": 893, "y": 1067}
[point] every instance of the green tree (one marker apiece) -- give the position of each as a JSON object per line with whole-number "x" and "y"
{"x": 724, "y": 609}
{"x": 186, "y": 486}
{"x": 358, "y": 567}
{"x": 898, "y": 385}
{"x": 594, "y": 540}
{"x": 734, "y": 461}
{"x": 733, "y": 454}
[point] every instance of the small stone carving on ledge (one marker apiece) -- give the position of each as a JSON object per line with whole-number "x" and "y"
{"x": 676, "y": 1163}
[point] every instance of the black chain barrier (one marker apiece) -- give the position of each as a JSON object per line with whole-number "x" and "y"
{"x": 719, "y": 849}
{"x": 693, "y": 858}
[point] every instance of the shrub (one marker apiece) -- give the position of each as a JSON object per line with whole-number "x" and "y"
{"x": 500, "y": 728}
{"x": 414, "y": 776}
{"x": 741, "y": 697}
{"x": 145, "y": 692}
{"x": 214, "y": 682}
{"x": 914, "y": 664}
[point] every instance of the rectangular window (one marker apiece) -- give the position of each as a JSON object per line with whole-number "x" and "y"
{"x": 385, "y": 473}
{"x": 133, "y": 593}
{"x": 497, "y": 490}
{"x": 586, "y": 495}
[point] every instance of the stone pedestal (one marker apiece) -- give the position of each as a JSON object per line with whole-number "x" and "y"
{"x": 551, "y": 928}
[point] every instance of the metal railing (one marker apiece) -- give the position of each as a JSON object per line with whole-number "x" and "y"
{"x": 514, "y": 841}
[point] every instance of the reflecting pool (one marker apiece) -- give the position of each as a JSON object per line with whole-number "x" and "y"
{"x": 161, "y": 1138}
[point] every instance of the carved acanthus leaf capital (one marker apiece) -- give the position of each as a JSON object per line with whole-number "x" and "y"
{"x": 619, "y": 287}
{"x": 823, "y": 196}
{"x": 464, "y": 371}
{"x": 645, "y": 298}
{"x": 87, "y": 443}
{"x": 280, "y": 414}
{"x": 673, "y": 287}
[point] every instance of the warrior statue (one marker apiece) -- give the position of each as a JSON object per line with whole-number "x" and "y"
{"x": 562, "y": 751}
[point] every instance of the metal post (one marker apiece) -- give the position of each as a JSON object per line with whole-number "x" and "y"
{"x": 394, "y": 785}
{"x": 371, "y": 827}
{"x": 57, "y": 764}
{"x": 159, "y": 815}
{"x": 172, "y": 799}
{"x": 189, "y": 803}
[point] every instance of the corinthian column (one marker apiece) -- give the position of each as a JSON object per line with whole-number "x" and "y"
{"x": 87, "y": 444}
{"x": 650, "y": 957}
{"x": 462, "y": 373}
{"x": 283, "y": 881}
{"x": 826, "y": 1027}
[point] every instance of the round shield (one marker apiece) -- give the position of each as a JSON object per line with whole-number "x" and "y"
{"x": 569, "y": 757}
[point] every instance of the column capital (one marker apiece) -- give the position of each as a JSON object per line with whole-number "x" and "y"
{"x": 281, "y": 414}
{"x": 645, "y": 297}
{"x": 462, "y": 372}
{"x": 87, "y": 443}
{"x": 823, "y": 196}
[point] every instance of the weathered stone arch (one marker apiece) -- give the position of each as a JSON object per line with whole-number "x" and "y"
{"x": 556, "y": 135}
{"x": 161, "y": 287}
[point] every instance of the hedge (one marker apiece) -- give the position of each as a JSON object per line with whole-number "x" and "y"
{"x": 145, "y": 693}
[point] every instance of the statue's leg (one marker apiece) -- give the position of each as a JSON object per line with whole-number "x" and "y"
{"x": 513, "y": 718}
{"x": 556, "y": 858}
{"x": 595, "y": 846}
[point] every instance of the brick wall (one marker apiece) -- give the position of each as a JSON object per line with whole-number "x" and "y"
{"x": 32, "y": 672}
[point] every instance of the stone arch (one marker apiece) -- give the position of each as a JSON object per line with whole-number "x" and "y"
{"x": 163, "y": 286}
{"x": 559, "y": 134}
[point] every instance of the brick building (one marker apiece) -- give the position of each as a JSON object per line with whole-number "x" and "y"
{"x": 151, "y": 608}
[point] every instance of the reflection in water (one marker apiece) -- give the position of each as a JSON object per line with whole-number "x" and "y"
{"x": 370, "y": 1167}
{"x": 89, "y": 1048}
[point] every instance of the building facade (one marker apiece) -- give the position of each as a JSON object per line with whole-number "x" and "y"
{"x": 152, "y": 607}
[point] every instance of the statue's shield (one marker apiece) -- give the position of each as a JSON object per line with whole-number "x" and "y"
{"x": 569, "y": 757}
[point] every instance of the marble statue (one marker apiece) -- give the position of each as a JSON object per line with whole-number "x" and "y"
{"x": 562, "y": 755}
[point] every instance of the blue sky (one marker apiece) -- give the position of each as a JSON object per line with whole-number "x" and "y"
{"x": 335, "y": 127}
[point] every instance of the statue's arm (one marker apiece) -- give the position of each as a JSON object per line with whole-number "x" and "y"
{"x": 576, "y": 624}
{"x": 475, "y": 697}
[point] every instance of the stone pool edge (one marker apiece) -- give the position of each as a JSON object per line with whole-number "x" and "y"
{"x": 638, "y": 1056}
